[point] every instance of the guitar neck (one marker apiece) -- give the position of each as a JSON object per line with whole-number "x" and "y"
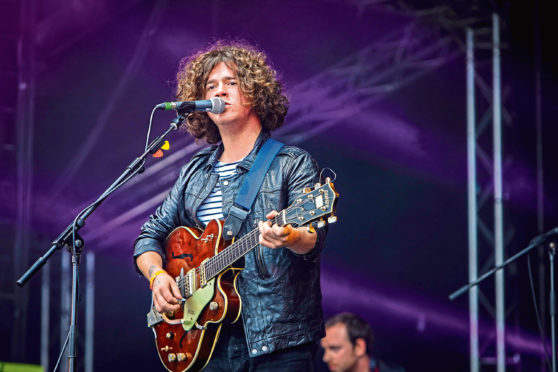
{"x": 238, "y": 249}
{"x": 312, "y": 205}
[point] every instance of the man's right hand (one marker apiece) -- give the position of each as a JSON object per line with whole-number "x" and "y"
{"x": 166, "y": 295}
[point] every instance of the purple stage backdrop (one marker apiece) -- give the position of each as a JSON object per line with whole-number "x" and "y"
{"x": 377, "y": 93}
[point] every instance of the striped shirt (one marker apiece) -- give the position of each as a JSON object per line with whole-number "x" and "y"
{"x": 212, "y": 206}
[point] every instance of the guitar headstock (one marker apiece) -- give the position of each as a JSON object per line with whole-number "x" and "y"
{"x": 312, "y": 205}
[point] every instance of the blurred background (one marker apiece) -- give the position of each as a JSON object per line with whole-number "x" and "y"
{"x": 378, "y": 94}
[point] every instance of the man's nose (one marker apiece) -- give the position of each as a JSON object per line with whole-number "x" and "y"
{"x": 221, "y": 91}
{"x": 325, "y": 358}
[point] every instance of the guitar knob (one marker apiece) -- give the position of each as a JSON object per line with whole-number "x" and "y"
{"x": 180, "y": 357}
{"x": 172, "y": 357}
{"x": 169, "y": 335}
{"x": 213, "y": 306}
{"x": 331, "y": 219}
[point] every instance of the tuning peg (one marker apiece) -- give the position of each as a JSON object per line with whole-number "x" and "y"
{"x": 311, "y": 229}
{"x": 306, "y": 190}
{"x": 321, "y": 223}
{"x": 317, "y": 186}
{"x": 331, "y": 219}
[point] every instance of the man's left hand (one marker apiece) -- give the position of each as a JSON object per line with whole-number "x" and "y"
{"x": 298, "y": 240}
{"x": 276, "y": 236}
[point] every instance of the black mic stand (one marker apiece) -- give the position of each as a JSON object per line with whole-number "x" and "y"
{"x": 75, "y": 243}
{"x": 535, "y": 242}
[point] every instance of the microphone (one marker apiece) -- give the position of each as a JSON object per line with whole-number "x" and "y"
{"x": 214, "y": 105}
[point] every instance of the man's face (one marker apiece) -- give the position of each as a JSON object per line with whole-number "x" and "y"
{"x": 339, "y": 353}
{"x": 222, "y": 82}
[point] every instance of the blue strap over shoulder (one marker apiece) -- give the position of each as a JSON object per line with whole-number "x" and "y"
{"x": 249, "y": 190}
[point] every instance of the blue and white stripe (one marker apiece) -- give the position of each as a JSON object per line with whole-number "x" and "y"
{"x": 212, "y": 206}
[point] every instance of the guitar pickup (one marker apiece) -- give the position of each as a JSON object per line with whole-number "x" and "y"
{"x": 191, "y": 278}
{"x": 181, "y": 283}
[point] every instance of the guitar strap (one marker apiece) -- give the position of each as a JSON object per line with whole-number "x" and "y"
{"x": 249, "y": 190}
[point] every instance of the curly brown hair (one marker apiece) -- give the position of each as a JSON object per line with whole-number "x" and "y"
{"x": 258, "y": 82}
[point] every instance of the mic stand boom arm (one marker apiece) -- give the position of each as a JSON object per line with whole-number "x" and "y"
{"x": 65, "y": 238}
{"x": 70, "y": 237}
{"x": 535, "y": 242}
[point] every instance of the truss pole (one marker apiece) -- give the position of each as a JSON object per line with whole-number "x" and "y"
{"x": 45, "y": 315}
{"x": 498, "y": 209}
{"x": 472, "y": 206}
{"x": 89, "y": 310}
{"x": 24, "y": 185}
{"x": 540, "y": 175}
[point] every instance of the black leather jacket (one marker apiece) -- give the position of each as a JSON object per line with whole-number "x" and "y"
{"x": 280, "y": 290}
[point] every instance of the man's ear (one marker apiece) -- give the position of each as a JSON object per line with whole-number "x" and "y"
{"x": 360, "y": 347}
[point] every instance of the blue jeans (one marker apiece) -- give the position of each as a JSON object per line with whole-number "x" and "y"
{"x": 231, "y": 355}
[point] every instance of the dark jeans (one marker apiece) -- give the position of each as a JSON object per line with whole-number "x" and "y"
{"x": 231, "y": 355}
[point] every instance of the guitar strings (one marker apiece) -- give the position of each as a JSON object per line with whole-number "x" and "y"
{"x": 230, "y": 254}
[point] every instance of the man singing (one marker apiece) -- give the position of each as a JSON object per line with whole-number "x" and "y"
{"x": 281, "y": 320}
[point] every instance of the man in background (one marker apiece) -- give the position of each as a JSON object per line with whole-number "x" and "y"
{"x": 348, "y": 346}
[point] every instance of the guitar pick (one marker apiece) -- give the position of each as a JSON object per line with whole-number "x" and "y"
{"x": 159, "y": 153}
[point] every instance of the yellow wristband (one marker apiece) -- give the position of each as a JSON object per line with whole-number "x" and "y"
{"x": 154, "y": 276}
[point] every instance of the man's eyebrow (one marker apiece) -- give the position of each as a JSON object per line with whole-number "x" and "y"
{"x": 224, "y": 78}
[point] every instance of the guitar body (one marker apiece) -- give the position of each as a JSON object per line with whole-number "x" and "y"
{"x": 187, "y": 345}
{"x": 202, "y": 264}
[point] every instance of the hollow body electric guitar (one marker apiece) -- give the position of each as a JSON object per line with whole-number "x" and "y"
{"x": 202, "y": 263}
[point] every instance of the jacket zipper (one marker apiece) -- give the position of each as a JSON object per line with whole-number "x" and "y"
{"x": 260, "y": 263}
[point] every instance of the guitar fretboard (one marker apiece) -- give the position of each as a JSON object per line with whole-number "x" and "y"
{"x": 214, "y": 265}
{"x": 233, "y": 252}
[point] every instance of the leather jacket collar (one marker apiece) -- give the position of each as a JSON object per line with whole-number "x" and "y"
{"x": 248, "y": 160}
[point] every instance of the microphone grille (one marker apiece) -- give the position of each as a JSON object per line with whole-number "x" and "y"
{"x": 218, "y": 105}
